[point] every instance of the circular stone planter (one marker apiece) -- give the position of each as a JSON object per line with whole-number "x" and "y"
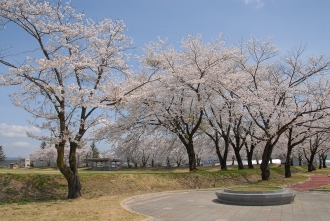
{"x": 256, "y": 198}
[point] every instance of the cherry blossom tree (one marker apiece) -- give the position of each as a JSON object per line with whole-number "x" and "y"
{"x": 179, "y": 102}
{"x": 47, "y": 155}
{"x": 219, "y": 132}
{"x": 78, "y": 68}
{"x": 314, "y": 145}
{"x": 82, "y": 154}
{"x": 278, "y": 94}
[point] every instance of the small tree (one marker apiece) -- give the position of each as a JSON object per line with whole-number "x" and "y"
{"x": 95, "y": 150}
{"x": 43, "y": 145}
{"x": 2, "y": 155}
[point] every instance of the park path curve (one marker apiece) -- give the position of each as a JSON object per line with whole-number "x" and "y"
{"x": 314, "y": 181}
{"x": 202, "y": 205}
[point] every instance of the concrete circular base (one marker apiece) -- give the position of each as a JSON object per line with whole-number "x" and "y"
{"x": 256, "y": 198}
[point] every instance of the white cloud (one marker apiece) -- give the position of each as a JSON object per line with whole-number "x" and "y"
{"x": 21, "y": 144}
{"x": 17, "y": 130}
{"x": 258, "y": 2}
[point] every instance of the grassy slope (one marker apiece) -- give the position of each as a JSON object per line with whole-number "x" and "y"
{"x": 41, "y": 192}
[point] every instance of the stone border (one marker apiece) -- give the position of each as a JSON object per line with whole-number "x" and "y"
{"x": 256, "y": 198}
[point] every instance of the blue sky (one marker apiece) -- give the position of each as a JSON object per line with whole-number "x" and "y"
{"x": 289, "y": 22}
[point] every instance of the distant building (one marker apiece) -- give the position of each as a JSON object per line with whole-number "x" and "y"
{"x": 104, "y": 164}
{"x": 24, "y": 162}
{"x": 8, "y": 161}
{"x": 27, "y": 162}
{"x": 14, "y": 166}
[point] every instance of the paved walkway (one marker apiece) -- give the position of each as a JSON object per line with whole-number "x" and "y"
{"x": 198, "y": 205}
{"x": 313, "y": 182}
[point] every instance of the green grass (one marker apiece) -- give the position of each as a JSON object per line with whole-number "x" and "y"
{"x": 40, "y": 193}
{"x": 326, "y": 188}
{"x": 255, "y": 188}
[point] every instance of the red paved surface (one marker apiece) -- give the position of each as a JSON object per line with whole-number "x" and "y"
{"x": 313, "y": 182}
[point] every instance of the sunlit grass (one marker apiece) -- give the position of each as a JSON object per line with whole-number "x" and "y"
{"x": 104, "y": 190}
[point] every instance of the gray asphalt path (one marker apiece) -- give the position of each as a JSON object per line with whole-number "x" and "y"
{"x": 198, "y": 205}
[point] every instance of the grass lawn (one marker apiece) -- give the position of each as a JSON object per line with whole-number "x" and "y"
{"x": 326, "y": 188}
{"x": 39, "y": 193}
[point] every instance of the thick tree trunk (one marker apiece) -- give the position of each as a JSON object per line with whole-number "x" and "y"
{"x": 222, "y": 159}
{"x": 191, "y": 156}
{"x": 238, "y": 159}
{"x": 237, "y": 146}
{"x": 264, "y": 166}
{"x": 310, "y": 160}
{"x": 324, "y": 158}
{"x": 288, "y": 162}
{"x": 310, "y": 167}
{"x": 70, "y": 173}
{"x": 249, "y": 159}
{"x": 223, "y": 163}
{"x": 144, "y": 161}
{"x": 74, "y": 186}
{"x": 249, "y": 154}
{"x": 288, "y": 168}
{"x": 192, "y": 162}
{"x": 310, "y": 163}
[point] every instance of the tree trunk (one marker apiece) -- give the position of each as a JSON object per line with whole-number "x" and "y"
{"x": 168, "y": 163}
{"x": 192, "y": 162}
{"x": 324, "y": 158}
{"x": 191, "y": 156}
{"x": 300, "y": 159}
{"x": 70, "y": 173}
{"x": 144, "y": 161}
{"x": 222, "y": 159}
{"x": 238, "y": 159}
{"x": 74, "y": 186}
{"x": 237, "y": 146}
{"x": 198, "y": 160}
{"x": 249, "y": 154}
{"x": 288, "y": 161}
{"x": 264, "y": 166}
{"x": 320, "y": 162}
{"x": 128, "y": 160}
{"x": 310, "y": 162}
